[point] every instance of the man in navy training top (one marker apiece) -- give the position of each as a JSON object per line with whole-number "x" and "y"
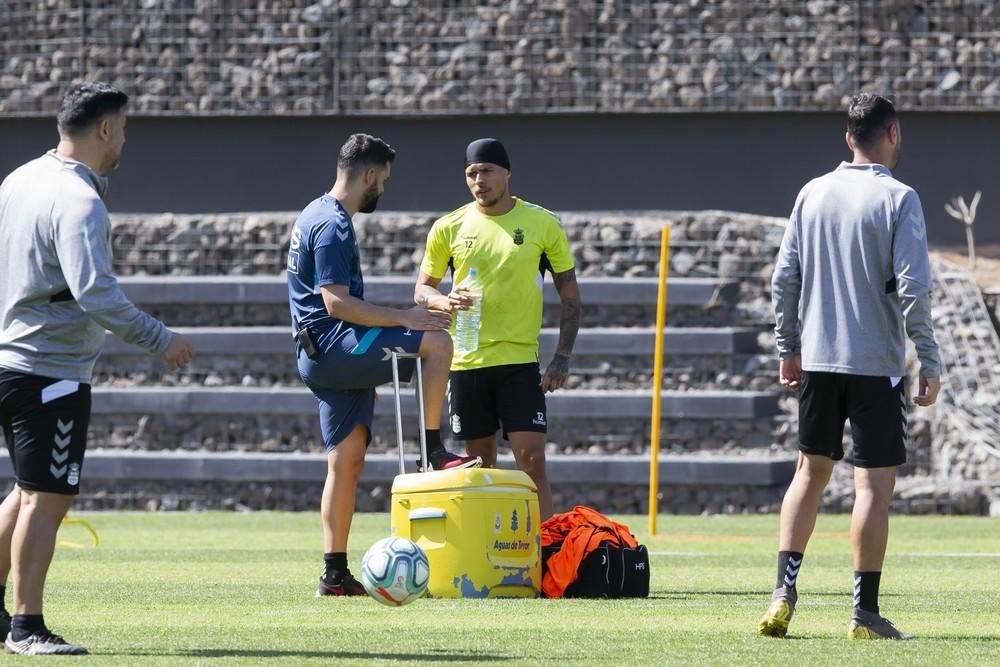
{"x": 852, "y": 281}
{"x": 343, "y": 343}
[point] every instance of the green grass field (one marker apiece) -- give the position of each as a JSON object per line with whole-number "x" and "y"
{"x": 236, "y": 589}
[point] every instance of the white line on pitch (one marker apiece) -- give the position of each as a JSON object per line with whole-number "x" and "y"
{"x": 940, "y": 554}
{"x": 697, "y": 554}
{"x": 946, "y": 554}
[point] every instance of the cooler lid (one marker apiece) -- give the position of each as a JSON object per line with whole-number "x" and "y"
{"x": 465, "y": 479}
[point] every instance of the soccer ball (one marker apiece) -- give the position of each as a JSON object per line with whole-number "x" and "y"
{"x": 395, "y": 571}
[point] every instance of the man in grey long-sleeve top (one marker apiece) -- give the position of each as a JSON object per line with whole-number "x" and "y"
{"x": 57, "y": 298}
{"x": 852, "y": 280}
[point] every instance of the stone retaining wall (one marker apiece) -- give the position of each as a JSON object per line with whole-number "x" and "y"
{"x": 953, "y": 462}
{"x": 916, "y": 495}
{"x": 967, "y": 420}
{"x": 305, "y": 496}
{"x": 154, "y": 432}
{"x": 754, "y": 372}
{"x": 607, "y": 244}
{"x": 309, "y": 57}
{"x": 594, "y": 315}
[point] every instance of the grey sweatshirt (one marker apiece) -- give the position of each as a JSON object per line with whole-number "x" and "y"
{"x": 57, "y": 293}
{"x": 853, "y": 275}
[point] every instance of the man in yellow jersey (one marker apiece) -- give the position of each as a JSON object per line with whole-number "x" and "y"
{"x": 510, "y": 243}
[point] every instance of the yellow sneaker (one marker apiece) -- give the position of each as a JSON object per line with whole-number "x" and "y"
{"x": 869, "y": 625}
{"x": 775, "y": 621}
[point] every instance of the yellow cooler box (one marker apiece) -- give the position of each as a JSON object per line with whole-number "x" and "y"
{"x": 478, "y": 527}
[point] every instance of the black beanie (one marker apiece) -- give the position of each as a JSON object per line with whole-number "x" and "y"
{"x": 487, "y": 150}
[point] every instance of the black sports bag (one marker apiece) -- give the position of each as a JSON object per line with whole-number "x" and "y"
{"x": 608, "y": 571}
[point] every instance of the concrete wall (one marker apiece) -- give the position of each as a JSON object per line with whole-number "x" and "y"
{"x": 744, "y": 162}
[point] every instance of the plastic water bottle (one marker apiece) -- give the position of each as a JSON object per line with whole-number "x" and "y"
{"x": 467, "y": 321}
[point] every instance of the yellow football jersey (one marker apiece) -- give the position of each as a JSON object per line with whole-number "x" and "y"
{"x": 507, "y": 252}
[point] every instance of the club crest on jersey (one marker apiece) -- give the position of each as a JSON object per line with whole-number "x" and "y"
{"x": 518, "y": 236}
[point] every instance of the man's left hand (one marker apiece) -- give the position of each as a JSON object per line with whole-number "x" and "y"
{"x": 556, "y": 374}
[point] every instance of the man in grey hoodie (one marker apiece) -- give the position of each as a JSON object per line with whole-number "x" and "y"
{"x": 852, "y": 280}
{"x": 57, "y": 299}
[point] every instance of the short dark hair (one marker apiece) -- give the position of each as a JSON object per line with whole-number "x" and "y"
{"x": 868, "y": 115}
{"x": 85, "y": 104}
{"x": 362, "y": 151}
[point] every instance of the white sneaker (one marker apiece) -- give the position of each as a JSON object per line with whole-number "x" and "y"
{"x": 42, "y": 643}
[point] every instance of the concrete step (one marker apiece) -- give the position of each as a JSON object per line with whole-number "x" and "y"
{"x": 609, "y": 341}
{"x": 250, "y": 467}
{"x": 580, "y": 403}
{"x": 227, "y": 290}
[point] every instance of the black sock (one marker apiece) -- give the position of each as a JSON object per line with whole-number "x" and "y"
{"x": 433, "y": 441}
{"x": 334, "y": 565}
{"x": 3, "y": 596}
{"x": 866, "y": 590}
{"x": 789, "y": 563}
{"x": 25, "y": 625}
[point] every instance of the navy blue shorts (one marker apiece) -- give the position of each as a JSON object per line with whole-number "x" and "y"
{"x": 344, "y": 376}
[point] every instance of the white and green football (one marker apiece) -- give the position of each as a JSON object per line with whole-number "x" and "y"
{"x": 395, "y": 571}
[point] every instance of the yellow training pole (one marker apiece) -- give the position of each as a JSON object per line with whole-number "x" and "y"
{"x": 654, "y": 424}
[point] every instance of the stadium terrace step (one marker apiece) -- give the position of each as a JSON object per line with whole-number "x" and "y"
{"x": 612, "y": 341}
{"x": 580, "y": 403}
{"x": 202, "y": 290}
{"x": 247, "y": 467}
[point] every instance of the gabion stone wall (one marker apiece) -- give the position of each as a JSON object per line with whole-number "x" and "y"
{"x": 500, "y": 56}
{"x": 608, "y": 244}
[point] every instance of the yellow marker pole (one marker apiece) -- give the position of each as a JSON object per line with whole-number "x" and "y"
{"x": 654, "y": 424}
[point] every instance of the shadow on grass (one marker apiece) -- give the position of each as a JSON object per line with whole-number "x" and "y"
{"x": 918, "y": 638}
{"x": 668, "y": 596}
{"x": 346, "y": 655}
{"x": 845, "y": 592}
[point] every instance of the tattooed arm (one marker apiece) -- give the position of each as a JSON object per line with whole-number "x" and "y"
{"x": 569, "y": 325}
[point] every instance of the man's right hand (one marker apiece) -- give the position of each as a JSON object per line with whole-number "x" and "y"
{"x": 178, "y": 352}
{"x": 419, "y": 318}
{"x": 929, "y": 388}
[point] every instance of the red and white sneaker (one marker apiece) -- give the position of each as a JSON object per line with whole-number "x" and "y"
{"x": 347, "y": 585}
{"x": 442, "y": 459}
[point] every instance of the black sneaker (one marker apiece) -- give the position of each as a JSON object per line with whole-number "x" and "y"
{"x": 345, "y": 585}
{"x": 42, "y": 642}
{"x": 442, "y": 459}
{"x": 4, "y": 623}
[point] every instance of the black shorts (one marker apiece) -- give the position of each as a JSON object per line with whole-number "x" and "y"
{"x": 876, "y": 408}
{"x": 506, "y": 397}
{"x": 45, "y": 425}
